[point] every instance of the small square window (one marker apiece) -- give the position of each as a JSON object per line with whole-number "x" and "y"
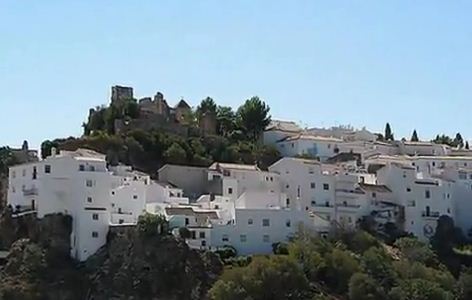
{"x": 312, "y": 185}
{"x": 243, "y": 238}
{"x": 81, "y": 168}
{"x": 135, "y": 196}
{"x": 427, "y": 194}
{"x": 94, "y": 216}
{"x": 121, "y": 221}
{"x": 47, "y": 169}
{"x": 250, "y": 221}
{"x": 225, "y": 238}
{"x": 187, "y": 221}
{"x": 89, "y": 183}
{"x": 265, "y": 222}
{"x": 266, "y": 238}
{"x": 374, "y": 195}
{"x": 94, "y": 234}
{"x": 326, "y": 186}
{"x": 288, "y": 223}
{"x": 230, "y": 191}
{"x": 89, "y": 199}
{"x": 201, "y": 234}
{"x": 408, "y": 189}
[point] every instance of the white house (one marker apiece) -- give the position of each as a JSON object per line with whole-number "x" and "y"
{"x": 79, "y": 184}
{"x": 307, "y": 144}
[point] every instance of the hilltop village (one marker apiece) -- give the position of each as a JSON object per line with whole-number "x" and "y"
{"x": 324, "y": 179}
{"x": 157, "y": 200}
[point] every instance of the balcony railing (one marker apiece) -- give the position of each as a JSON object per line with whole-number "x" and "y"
{"x": 30, "y": 192}
{"x": 432, "y": 214}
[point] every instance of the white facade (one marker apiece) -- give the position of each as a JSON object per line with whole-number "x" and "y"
{"x": 80, "y": 185}
{"x": 305, "y": 144}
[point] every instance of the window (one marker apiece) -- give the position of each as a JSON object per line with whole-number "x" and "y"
{"x": 288, "y": 223}
{"x": 187, "y": 221}
{"x": 89, "y": 199}
{"x": 250, "y": 221}
{"x": 427, "y": 194}
{"x": 81, "y": 168}
{"x": 434, "y": 164}
{"x": 349, "y": 220}
{"x": 217, "y": 207}
{"x": 113, "y": 193}
{"x": 326, "y": 186}
{"x": 293, "y": 145}
{"x": 243, "y": 238}
{"x": 312, "y": 185}
{"x": 121, "y": 221}
{"x": 408, "y": 189}
{"x": 193, "y": 235}
{"x": 225, "y": 238}
{"x": 92, "y": 168}
{"x": 94, "y": 216}
{"x": 203, "y": 243}
{"x": 448, "y": 210}
{"x": 287, "y": 202}
{"x": 287, "y": 186}
{"x": 135, "y": 197}
{"x": 35, "y": 172}
{"x": 47, "y": 169}
{"x": 310, "y": 171}
{"x": 94, "y": 234}
{"x": 230, "y": 191}
{"x": 266, "y": 238}
{"x": 328, "y": 218}
{"x": 265, "y": 222}
{"x": 88, "y": 183}
{"x": 313, "y": 202}
{"x": 201, "y": 234}
{"x": 374, "y": 195}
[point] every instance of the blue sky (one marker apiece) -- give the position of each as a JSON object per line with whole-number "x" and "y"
{"x": 321, "y": 63}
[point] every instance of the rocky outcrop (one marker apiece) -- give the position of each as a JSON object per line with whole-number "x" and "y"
{"x": 133, "y": 266}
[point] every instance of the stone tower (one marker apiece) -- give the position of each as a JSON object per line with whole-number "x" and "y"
{"x": 120, "y": 93}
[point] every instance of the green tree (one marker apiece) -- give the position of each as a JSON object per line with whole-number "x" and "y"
{"x": 363, "y": 287}
{"x": 377, "y": 264}
{"x": 388, "y": 133}
{"x": 275, "y": 278}
{"x": 464, "y": 285}
{"x": 175, "y": 154}
{"x": 419, "y": 289}
{"x": 152, "y": 225}
{"x": 207, "y": 105}
{"x": 458, "y": 141}
{"x": 253, "y": 117}
{"x": 340, "y": 266}
{"x": 46, "y": 147}
{"x": 467, "y": 145}
{"x": 7, "y": 159}
{"x": 226, "y": 120}
{"x": 416, "y": 251}
{"x": 414, "y": 136}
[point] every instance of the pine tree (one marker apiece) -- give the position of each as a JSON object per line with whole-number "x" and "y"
{"x": 414, "y": 136}
{"x": 467, "y": 145}
{"x": 459, "y": 141}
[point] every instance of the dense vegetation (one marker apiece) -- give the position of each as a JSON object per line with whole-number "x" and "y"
{"x": 351, "y": 265}
{"x": 236, "y": 140}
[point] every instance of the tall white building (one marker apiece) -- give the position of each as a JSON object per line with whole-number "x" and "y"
{"x": 79, "y": 184}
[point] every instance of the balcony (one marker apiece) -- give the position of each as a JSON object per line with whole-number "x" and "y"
{"x": 30, "y": 192}
{"x": 432, "y": 214}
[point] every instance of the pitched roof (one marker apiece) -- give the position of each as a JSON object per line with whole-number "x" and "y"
{"x": 188, "y": 211}
{"x": 218, "y": 166}
{"x": 182, "y": 104}
{"x": 287, "y": 126}
{"x": 302, "y": 136}
{"x": 375, "y": 188}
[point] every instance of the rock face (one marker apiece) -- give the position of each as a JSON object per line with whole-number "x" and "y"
{"x": 134, "y": 266}
{"x": 131, "y": 266}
